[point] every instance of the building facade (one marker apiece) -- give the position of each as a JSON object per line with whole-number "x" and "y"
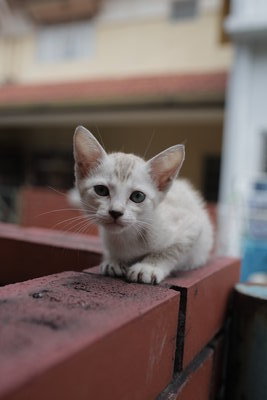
{"x": 140, "y": 75}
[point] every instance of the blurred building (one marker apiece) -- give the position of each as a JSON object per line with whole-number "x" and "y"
{"x": 142, "y": 75}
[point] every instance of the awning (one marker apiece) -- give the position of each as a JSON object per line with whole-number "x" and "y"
{"x": 152, "y": 88}
{"x": 164, "y": 97}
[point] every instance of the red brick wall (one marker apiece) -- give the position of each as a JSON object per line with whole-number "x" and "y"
{"x": 46, "y": 208}
{"x": 27, "y": 253}
{"x": 80, "y": 335}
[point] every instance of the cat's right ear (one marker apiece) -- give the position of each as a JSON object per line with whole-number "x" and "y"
{"x": 87, "y": 151}
{"x": 165, "y": 166}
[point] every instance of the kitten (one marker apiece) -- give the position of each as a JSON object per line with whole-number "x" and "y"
{"x": 151, "y": 224}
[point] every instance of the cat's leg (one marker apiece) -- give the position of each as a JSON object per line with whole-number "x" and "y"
{"x": 158, "y": 265}
{"x": 112, "y": 268}
{"x": 151, "y": 270}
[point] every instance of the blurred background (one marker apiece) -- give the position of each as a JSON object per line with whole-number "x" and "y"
{"x": 142, "y": 76}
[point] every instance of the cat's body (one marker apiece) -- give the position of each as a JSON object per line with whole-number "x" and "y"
{"x": 176, "y": 226}
{"x": 151, "y": 224}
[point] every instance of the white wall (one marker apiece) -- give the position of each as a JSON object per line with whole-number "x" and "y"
{"x": 246, "y": 121}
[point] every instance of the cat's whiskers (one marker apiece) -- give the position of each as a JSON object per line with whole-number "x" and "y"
{"x": 149, "y": 143}
{"x": 139, "y": 232}
{"x": 87, "y": 224}
{"x": 76, "y": 225}
{"x": 145, "y": 222}
{"x": 83, "y": 203}
{"x": 80, "y": 224}
{"x": 145, "y": 225}
{"x": 59, "y": 210}
{"x": 69, "y": 221}
{"x": 65, "y": 195}
{"x": 100, "y": 136}
{"x": 57, "y": 191}
{"x": 85, "y": 228}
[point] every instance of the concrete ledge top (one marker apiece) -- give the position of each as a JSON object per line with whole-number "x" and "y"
{"x": 48, "y": 320}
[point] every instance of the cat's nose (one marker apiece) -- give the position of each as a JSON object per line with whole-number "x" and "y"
{"x": 115, "y": 214}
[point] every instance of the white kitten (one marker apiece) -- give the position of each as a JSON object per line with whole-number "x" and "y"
{"x": 150, "y": 223}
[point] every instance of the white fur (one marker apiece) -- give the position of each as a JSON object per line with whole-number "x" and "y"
{"x": 170, "y": 230}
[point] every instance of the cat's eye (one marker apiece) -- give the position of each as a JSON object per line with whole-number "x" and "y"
{"x": 101, "y": 190}
{"x": 137, "y": 196}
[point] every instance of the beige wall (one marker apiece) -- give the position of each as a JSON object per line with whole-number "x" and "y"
{"x": 138, "y": 47}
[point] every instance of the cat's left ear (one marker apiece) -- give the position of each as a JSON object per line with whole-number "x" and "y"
{"x": 87, "y": 152}
{"x": 165, "y": 166}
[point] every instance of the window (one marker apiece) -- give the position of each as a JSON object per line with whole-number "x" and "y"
{"x": 211, "y": 177}
{"x": 184, "y": 9}
{"x": 52, "y": 168}
{"x": 65, "y": 42}
{"x": 130, "y": 10}
{"x": 11, "y": 166}
{"x": 11, "y": 177}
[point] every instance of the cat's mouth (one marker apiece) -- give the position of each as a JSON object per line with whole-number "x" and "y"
{"x": 114, "y": 225}
{"x": 117, "y": 224}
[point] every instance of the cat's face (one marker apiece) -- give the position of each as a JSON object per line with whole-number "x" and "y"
{"x": 121, "y": 190}
{"x": 119, "y": 193}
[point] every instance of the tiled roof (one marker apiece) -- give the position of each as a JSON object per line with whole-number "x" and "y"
{"x": 112, "y": 90}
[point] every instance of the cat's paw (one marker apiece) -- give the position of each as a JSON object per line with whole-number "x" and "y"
{"x": 145, "y": 273}
{"x": 112, "y": 268}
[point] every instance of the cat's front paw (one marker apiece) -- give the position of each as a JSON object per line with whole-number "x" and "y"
{"x": 111, "y": 268}
{"x": 145, "y": 273}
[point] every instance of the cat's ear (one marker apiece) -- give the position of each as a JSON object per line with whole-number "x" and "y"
{"x": 87, "y": 151}
{"x": 165, "y": 166}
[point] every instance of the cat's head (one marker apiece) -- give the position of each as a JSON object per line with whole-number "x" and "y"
{"x": 120, "y": 190}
